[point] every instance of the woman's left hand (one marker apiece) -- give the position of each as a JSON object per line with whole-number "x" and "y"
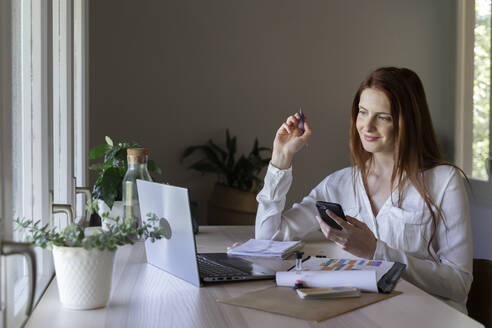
{"x": 355, "y": 237}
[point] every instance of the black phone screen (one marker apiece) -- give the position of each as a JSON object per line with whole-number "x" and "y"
{"x": 335, "y": 208}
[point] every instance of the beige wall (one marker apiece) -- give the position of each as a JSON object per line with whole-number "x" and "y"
{"x": 170, "y": 74}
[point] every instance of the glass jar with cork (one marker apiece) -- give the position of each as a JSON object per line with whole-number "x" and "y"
{"x": 137, "y": 169}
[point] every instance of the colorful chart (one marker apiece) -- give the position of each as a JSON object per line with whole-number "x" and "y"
{"x": 344, "y": 264}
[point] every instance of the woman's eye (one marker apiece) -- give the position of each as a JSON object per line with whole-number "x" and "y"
{"x": 362, "y": 113}
{"x": 385, "y": 118}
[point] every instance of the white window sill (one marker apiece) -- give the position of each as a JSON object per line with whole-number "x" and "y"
{"x": 21, "y": 292}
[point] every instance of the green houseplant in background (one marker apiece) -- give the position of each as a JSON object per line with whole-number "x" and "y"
{"x": 107, "y": 191}
{"x": 233, "y": 201}
{"x": 84, "y": 261}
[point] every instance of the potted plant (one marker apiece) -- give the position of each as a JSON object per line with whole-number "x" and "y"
{"x": 233, "y": 201}
{"x": 84, "y": 263}
{"x": 107, "y": 191}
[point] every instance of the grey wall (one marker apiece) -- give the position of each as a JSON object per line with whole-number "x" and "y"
{"x": 482, "y": 230}
{"x": 170, "y": 74}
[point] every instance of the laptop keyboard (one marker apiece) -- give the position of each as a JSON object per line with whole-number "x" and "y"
{"x": 211, "y": 269}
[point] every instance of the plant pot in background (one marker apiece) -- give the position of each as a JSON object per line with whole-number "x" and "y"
{"x": 116, "y": 211}
{"x": 83, "y": 276}
{"x": 230, "y": 206}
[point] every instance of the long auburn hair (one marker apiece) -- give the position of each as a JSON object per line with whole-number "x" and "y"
{"x": 416, "y": 147}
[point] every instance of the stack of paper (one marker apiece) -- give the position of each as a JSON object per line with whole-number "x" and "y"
{"x": 266, "y": 248}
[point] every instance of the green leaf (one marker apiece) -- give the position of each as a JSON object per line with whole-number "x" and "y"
{"x": 110, "y": 154}
{"x": 230, "y": 144}
{"x": 190, "y": 150}
{"x": 73, "y": 235}
{"x": 153, "y": 167}
{"x": 127, "y": 145}
{"x": 255, "y": 150}
{"x": 223, "y": 153}
{"x": 92, "y": 206}
{"x": 111, "y": 183}
{"x": 98, "y": 151}
{"x": 109, "y": 141}
{"x": 97, "y": 190}
{"x": 209, "y": 153}
{"x": 204, "y": 166}
{"x": 122, "y": 169}
{"x": 121, "y": 156}
{"x": 228, "y": 139}
{"x": 97, "y": 167}
{"x": 231, "y": 151}
{"x": 241, "y": 174}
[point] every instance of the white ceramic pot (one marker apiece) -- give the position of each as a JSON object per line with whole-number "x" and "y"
{"x": 83, "y": 276}
{"x": 116, "y": 211}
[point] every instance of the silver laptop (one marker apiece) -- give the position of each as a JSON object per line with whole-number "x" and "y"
{"x": 176, "y": 252}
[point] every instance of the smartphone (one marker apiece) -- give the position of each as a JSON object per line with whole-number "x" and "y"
{"x": 335, "y": 208}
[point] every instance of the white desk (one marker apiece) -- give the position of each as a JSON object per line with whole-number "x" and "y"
{"x": 144, "y": 296}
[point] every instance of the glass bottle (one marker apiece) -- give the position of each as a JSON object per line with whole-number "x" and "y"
{"x": 137, "y": 169}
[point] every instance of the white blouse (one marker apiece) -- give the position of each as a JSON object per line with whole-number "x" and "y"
{"x": 402, "y": 232}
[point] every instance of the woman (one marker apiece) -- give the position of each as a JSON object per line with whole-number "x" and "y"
{"x": 403, "y": 202}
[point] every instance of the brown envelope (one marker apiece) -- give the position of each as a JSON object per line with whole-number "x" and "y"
{"x": 284, "y": 300}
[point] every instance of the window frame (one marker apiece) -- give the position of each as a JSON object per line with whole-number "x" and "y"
{"x": 63, "y": 158}
{"x": 81, "y": 99}
{"x": 464, "y": 87}
{"x": 6, "y": 185}
{"x": 481, "y": 190}
{"x": 32, "y": 155}
{"x": 27, "y": 93}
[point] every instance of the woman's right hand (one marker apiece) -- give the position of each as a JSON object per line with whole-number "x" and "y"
{"x": 289, "y": 140}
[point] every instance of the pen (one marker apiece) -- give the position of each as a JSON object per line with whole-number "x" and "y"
{"x": 298, "y": 255}
{"x": 301, "y": 114}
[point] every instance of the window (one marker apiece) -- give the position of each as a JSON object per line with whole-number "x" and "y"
{"x": 481, "y": 90}
{"x": 43, "y": 125}
{"x": 31, "y": 149}
{"x": 473, "y": 94}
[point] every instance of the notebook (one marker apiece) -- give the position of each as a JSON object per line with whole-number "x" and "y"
{"x": 323, "y": 272}
{"x": 266, "y": 248}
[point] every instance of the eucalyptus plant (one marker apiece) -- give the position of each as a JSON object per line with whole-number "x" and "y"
{"x": 241, "y": 174}
{"x": 117, "y": 234}
{"x": 112, "y": 170}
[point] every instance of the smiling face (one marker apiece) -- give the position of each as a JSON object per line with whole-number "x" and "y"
{"x": 375, "y": 122}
